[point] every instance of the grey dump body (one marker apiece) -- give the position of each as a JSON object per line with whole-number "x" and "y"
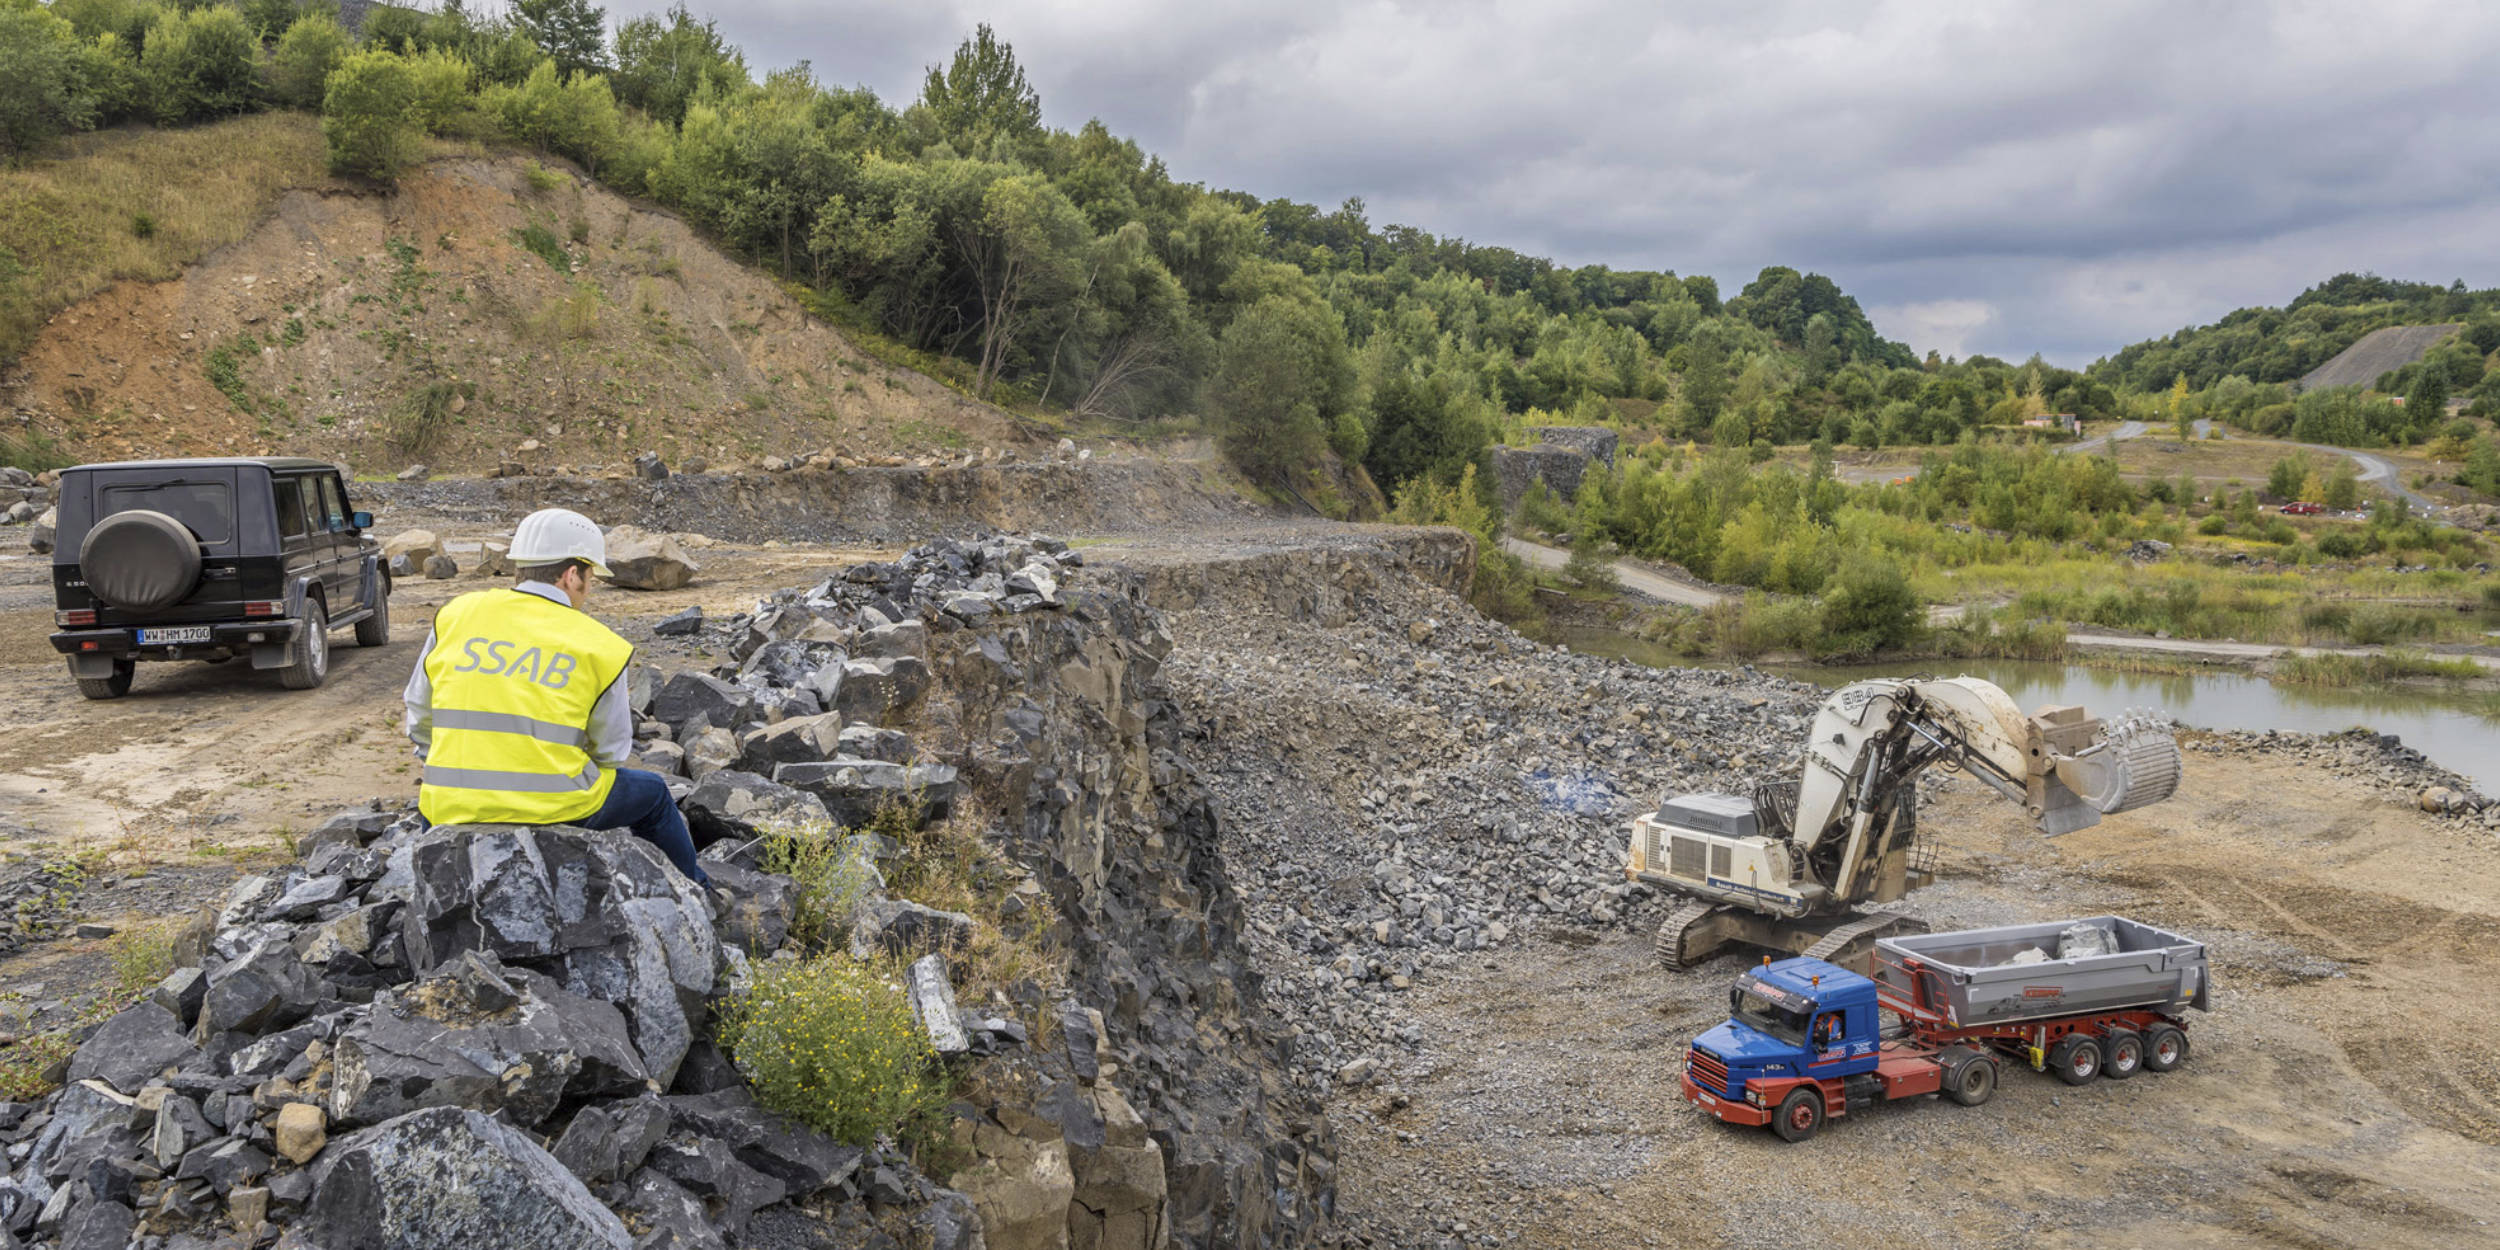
{"x": 1972, "y": 979}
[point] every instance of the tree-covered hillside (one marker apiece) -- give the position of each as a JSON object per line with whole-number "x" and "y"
{"x": 1061, "y": 271}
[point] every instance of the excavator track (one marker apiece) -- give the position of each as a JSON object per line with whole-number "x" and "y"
{"x": 1676, "y": 927}
{"x": 1873, "y": 925}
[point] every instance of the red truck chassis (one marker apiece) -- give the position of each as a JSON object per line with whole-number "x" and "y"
{"x": 1931, "y": 1058}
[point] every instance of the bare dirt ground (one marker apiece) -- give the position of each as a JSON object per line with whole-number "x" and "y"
{"x": 204, "y": 760}
{"x": 2345, "y": 1090}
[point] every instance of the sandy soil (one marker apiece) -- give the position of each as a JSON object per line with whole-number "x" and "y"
{"x": 2345, "y": 1091}
{"x": 2341, "y": 1093}
{"x": 214, "y": 760}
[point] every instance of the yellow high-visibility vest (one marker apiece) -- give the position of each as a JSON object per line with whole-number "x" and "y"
{"x": 514, "y": 679}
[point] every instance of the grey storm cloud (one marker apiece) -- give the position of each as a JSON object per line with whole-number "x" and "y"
{"x": 1984, "y": 177}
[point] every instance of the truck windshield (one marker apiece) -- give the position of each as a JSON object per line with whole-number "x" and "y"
{"x": 207, "y": 507}
{"x": 1761, "y": 1014}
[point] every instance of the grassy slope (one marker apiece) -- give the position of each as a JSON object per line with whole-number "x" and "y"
{"x": 68, "y": 222}
{"x": 485, "y": 302}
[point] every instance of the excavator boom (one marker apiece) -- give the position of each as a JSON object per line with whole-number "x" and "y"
{"x": 1790, "y": 872}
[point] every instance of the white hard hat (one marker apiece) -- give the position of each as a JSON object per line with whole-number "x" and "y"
{"x": 552, "y": 534}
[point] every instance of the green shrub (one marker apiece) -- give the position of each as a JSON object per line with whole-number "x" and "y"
{"x": 299, "y": 69}
{"x": 832, "y": 1044}
{"x": 142, "y": 226}
{"x": 46, "y": 93}
{"x": 143, "y": 955}
{"x": 365, "y": 115}
{"x": 201, "y": 64}
{"x": 542, "y": 242}
{"x": 1870, "y": 605}
{"x": 832, "y": 870}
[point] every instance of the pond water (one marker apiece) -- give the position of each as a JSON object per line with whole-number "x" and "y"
{"x": 2459, "y": 731}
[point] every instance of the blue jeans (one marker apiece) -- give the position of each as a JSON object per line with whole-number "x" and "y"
{"x": 639, "y": 801}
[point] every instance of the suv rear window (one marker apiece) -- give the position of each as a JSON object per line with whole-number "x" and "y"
{"x": 206, "y": 507}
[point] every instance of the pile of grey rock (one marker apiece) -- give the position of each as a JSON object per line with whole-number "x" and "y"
{"x": 1416, "y": 786}
{"x": 491, "y": 1036}
{"x": 797, "y": 728}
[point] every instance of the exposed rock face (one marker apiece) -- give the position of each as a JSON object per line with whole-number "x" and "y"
{"x": 448, "y": 1177}
{"x": 1515, "y": 469}
{"x": 1593, "y": 441}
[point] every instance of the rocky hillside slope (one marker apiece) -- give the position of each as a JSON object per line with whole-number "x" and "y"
{"x": 485, "y": 308}
{"x": 2378, "y": 352}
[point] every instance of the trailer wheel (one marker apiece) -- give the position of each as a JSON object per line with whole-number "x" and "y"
{"x": 1973, "y": 1082}
{"x": 2076, "y": 1059}
{"x": 2165, "y": 1047}
{"x": 2123, "y": 1052}
{"x": 1800, "y": 1114}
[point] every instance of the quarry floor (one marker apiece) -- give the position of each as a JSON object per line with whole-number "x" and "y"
{"x": 2344, "y": 1091}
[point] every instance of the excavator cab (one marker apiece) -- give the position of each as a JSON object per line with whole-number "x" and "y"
{"x": 1788, "y": 868}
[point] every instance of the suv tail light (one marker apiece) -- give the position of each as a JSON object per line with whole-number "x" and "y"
{"x": 262, "y": 607}
{"x": 74, "y": 616}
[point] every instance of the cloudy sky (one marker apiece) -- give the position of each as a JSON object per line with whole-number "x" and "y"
{"x": 1984, "y": 177}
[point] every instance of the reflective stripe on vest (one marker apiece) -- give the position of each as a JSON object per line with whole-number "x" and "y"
{"x": 513, "y": 723}
{"x": 515, "y": 678}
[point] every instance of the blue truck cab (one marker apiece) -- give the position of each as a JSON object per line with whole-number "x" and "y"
{"x": 1791, "y": 1021}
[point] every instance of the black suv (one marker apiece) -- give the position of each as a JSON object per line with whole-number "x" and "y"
{"x": 209, "y": 560}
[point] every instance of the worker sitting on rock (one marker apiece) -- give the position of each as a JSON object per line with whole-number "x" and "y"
{"x": 518, "y": 704}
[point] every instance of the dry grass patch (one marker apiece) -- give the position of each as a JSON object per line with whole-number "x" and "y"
{"x": 139, "y": 203}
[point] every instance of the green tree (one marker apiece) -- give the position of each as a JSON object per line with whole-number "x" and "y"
{"x": 1026, "y": 252}
{"x": 1869, "y": 605}
{"x": 391, "y": 28}
{"x": 442, "y": 80}
{"x": 2343, "y": 487}
{"x": 299, "y": 69}
{"x": 201, "y": 64}
{"x": 2284, "y": 479}
{"x": 981, "y": 97}
{"x": 44, "y": 91}
{"x": 573, "y": 32}
{"x": 366, "y": 115}
{"x": 663, "y": 62}
{"x": 2426, "y": 404}
{"x": 1705, "y": 377}
{"x": 1283, "y": 382}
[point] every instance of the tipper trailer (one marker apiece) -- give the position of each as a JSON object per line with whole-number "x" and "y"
{"x": 2102, "y": 996}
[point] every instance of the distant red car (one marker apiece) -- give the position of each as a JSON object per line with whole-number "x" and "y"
{"x": 2303, "y": 509}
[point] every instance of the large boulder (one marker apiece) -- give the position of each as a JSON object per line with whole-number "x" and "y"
{"x": 450, "y": 1177}
{"x": 855, "y": 790}
{"x": 640, "y": 560}
{"x": 482, "y": 1036}
{"x": 267, "y": 989}
{"x": 799, "y": 740}
{"x": 418, "y": 545}
{"x": 687, "y": 696}
{"x": 873, "y": 689}
{"x": 46, "y": 529}
{"x": 802, "y": 1159}
{"x": 602, "y": 913}
{"x": 133, "y": 1048}
{"x": 730, "y": 803}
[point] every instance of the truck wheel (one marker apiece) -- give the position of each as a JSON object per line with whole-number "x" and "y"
{"x": 312, "y": 651}
{"x": 2123, "y": 1053}
{"x": 1800, "y": 1114}
{"x": 2076, "y": 1059}
{"x": 2165, "y": 1047}
{"x": 112, "y": 687}
{"x": 375, "y": 630}
{"x": 1972, "y": 1083}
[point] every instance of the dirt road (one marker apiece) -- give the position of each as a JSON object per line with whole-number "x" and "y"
{"x": 1634, "y": 577}
{"x": 206, "y": 759}
{"x": 2341, "y": 1094}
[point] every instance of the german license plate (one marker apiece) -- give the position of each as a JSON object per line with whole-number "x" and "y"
{"x": 172, "y": 634}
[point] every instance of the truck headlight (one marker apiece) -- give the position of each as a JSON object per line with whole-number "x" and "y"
{"x": 1753, "y": 1095}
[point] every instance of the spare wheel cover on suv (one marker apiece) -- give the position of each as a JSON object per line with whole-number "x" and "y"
{"x": 140, "y": 561}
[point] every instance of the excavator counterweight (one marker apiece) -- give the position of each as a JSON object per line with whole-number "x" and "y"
{"x": 1789, "y": 868}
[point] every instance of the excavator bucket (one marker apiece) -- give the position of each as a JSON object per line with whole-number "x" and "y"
{"x": 2134, "y": 763}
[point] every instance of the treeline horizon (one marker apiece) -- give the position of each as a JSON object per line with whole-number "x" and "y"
{"x": 1068, "y": 270}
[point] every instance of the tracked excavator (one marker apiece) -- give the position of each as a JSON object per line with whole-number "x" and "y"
{"x": 1788, "y": 868}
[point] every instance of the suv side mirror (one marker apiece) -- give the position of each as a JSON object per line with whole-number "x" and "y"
{"x": 360, "y": 520}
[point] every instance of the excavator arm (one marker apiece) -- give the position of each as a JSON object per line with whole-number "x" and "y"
{"x": 1874, "y": 737}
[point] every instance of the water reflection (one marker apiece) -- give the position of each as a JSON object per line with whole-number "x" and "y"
{"x": 2461, "y": 732}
